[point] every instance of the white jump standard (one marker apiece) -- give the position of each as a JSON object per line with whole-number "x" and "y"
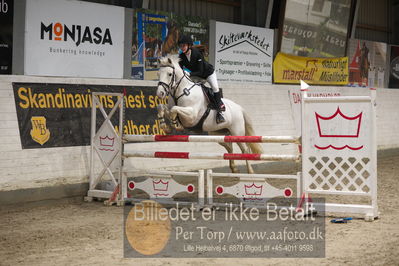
{"x": 339, "y": 151}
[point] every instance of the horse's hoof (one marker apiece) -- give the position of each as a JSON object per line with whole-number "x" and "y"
{"x": 166, "y": 129}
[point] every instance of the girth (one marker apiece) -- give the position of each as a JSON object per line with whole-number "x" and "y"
{"x": 198, "y": 126}
{"x": 208, "y": 94}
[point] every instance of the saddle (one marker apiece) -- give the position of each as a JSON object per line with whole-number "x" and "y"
{"x": 209, "y": 96}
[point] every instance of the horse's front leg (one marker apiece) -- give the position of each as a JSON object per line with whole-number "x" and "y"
{"x": 186, "y": 114}
{"x": 163, "y": 112}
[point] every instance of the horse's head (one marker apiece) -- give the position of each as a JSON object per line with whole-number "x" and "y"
{"x": 168, "y": 74}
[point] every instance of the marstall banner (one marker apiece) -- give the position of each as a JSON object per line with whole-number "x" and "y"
{"x": 156, "y": 33}
{"x": 74, "y": 39}
{"x": 243, "y": 53}
{"x": 319, "y": 71}
{"x": 59, "y": 115}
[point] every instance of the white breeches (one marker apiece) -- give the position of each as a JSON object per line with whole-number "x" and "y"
{"x": 212, "y": 80}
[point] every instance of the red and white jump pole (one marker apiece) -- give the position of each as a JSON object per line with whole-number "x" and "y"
{"x": 222, "y": 156}
{"x": 219, "y": 139}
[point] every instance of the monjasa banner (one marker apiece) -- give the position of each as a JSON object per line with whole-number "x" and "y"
{"x": 60, "y": 33}
{"x": 59, "y": 115}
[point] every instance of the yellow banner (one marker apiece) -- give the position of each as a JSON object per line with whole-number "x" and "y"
{"x": 312, "y": 70}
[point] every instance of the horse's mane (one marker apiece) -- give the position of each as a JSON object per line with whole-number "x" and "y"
{"x": 169, "y": 60}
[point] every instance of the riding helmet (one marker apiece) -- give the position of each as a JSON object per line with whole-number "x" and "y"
{"x": 185, "y": 39}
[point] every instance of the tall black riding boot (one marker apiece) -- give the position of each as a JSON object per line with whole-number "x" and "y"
{"x": 220, "y": 108}
{"x": 218, "y": 101}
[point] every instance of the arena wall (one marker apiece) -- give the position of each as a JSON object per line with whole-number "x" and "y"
{"x": 25, "y": 170}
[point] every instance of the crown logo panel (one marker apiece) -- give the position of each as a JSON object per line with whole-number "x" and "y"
{"x": 107, "y": 143}
{"x": 164, "y": 187}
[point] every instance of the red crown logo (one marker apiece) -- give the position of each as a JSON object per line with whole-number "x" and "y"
{"x": 253, "y": 190}
{"x": 160, "y": 185}
{"x": 107, "y": 141}
{"x": 348, "y": 127}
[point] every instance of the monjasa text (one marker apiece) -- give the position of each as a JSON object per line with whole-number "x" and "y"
{"x": 77, "y": 33}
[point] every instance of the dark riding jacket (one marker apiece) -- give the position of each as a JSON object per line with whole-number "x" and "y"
{"x": 197, "y": 64}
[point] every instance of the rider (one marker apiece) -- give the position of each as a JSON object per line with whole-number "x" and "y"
{"x": 193, "y": 60}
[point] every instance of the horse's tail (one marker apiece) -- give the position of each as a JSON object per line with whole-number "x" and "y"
{"x": 249, "y": 131}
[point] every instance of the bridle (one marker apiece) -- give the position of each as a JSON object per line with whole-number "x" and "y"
{"x": 171, "y": 90}
{"x": 165, "y": 86}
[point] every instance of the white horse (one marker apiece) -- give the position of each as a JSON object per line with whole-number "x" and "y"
{"x": 188, "y": 108}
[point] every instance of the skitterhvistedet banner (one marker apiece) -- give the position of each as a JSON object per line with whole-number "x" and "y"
{"x": 243, "y": 53}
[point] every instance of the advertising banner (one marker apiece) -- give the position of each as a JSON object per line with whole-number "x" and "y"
{"x": 394, "y": 67}
{"x": 243, "y": 53}
{"x": 6, "y": 35}
{"x": 316, "y": 28}
{"x": 320, "y": 71}
{"x": 61, "y": 39}
{"x": 59, "y": 115}
{"x": 367, "y": 63}
{"x": 156, "y": 33}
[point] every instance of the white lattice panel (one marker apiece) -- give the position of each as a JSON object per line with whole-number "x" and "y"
{"x": 342, "y": 174}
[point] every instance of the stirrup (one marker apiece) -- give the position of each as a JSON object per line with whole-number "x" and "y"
{"x": 222, "y": 107}
{"x": 219, "y": 118}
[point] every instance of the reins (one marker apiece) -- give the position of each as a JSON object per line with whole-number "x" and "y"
{"x": 168, "y": 87}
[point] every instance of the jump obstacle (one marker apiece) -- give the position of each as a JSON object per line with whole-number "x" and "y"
{"x": 338, "y": 140}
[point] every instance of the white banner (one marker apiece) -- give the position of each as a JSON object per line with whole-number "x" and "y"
{"x": 243, "y": 53}
{"x": 74, "y": 39}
